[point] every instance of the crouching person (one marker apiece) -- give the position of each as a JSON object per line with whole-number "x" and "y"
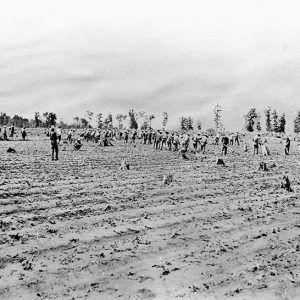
{"x": 77, "y": 145}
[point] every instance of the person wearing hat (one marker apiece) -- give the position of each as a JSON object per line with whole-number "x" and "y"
{"x": 54, "y": 145}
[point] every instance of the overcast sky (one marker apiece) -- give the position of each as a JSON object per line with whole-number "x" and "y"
{"x": 182, "y": 57}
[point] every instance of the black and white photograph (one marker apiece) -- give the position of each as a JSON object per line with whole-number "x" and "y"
{"x": 150, "y": 149}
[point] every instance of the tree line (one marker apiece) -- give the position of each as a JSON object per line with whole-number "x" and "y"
{"x": 274, "y": 122}
{"x": 140, "y": 119}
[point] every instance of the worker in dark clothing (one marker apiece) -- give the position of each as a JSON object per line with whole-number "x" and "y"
{"x": 12, "y": 130}
{"x": 287, "y": 146}
{"x": 54, "y": 145}
{"x": 5, "y": 134}
{"x": 225, "y": 142}
{"x": 77, "y": 145}
{"x": 23, "y": 132}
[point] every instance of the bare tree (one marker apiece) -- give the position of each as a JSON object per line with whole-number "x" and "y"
{"x": 151, "y": 117}
{"x": 165, "y": 119}
{"x": 218, "y": 119}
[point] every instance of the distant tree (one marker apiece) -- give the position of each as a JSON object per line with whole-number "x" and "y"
{"x": 268, "y": 119}
{"x": 19, "y": 121}
{"x": 199, "y": 125}
{"x": 190, "y": 122}
{"x": 186, "y": 123}
{"x": 297, "y": 123}
{"x": 165, "y": 119}
{"x": 258, "y": 125}
{"x": 282, "y": 123}
{"x": 89, "y": 115}
{"x": 2, "y": 118}
{"x": 108, "y": 122}
{"x": 140, "y": 114}
{"x": 84, "y": 122}
{"x": 132, "y": 120}
{"x": 52, "y": 118}
{"x": 5, "y": 119}
{"x": 47, "y": 119}
{"x": 63, "y": 125}
{"x": 151, "y": 117}
{"x": 183, "y": 123}
{"x": 275, "y": 124}
{"x": 252, "y": 120}
{"x": 145, "y": 126}
{"x": 218, "y": 118}
{"x": 77, "y": 121}
{"x": 211, "y": 131}
{"x": 99, "y": 121}
{"x": 31, "y": 123}
{"x": 37, "y": 119}
{"x": 119, "y": 119}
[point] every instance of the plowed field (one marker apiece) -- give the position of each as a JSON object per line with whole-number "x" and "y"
{"x": 79, "y": 228}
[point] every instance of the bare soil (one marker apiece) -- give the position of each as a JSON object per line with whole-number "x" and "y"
{"x": 80, "y": 228}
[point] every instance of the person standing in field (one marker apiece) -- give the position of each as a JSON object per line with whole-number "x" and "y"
{"x": 58, "y": 132}
{"x": 4, "y": 133}
{"x": 176, "y": 142}
{"x": 203, "y": 143}
{"x": 264, "y": 148}
{"x": 144, "y": 137}
{"x": 237, "y": 139}
{"x": 185, "y": 141}
{"x": 256, "y": 142}
{"x": 225, "y": 142}
{"x": 126, "y": 136}
{"x": 287, "y": 146}
{"x": 133, "y": 137}
{"x": 231, "y": 139}
{"x": 170, "y": 140}
{"x": 69, "y": 136}
{"x": 217, "y": 139}
{"x": 195, "y": 141}
{"x": 158, "y": 140}
{"x": 23, "y": 133}
{"x": 164, "y": 138}
{"x": 150, "y": 134}
{"x": 12, "y": 130}
{"x": 54, "y": 145}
